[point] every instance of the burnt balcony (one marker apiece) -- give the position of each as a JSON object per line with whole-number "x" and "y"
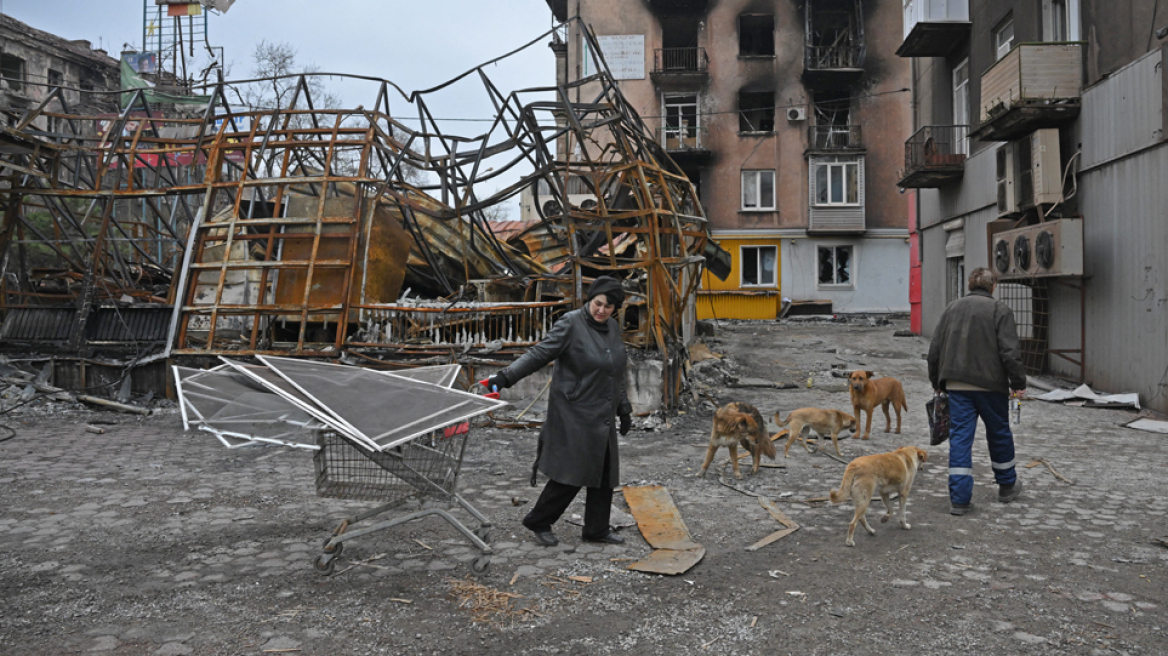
{"x": 934, "y": 156}
{"x": 1035, "y": 86}
{"x": 680, "y": 66}
{"x": 833, "y": 138}
{"x": 686, "y": 143}
{"x": 934, "y": 28}
{"x": 833, "y": 65}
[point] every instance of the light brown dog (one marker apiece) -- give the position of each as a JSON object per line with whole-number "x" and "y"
{"x": 823, "y": 422}
{"x": 884, "y": 473}
{"x": 739, "y": 424}
{"x": 868, "y": 392}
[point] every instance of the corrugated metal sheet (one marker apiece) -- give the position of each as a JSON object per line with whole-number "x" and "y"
{"x": 737, "y": 305}
{"x": 37, "y": 325}
{"x": 130, "y": 324}
{"x": 1122, "y": 113}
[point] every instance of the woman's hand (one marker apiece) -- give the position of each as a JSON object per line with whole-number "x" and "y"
{"x": 626, "y": 424}
{"x": 498, "y": 382}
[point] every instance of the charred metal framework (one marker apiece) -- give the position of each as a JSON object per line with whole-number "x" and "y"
{"x": 298, "y": 230}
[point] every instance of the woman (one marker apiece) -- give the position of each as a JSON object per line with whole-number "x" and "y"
{"x": 578, "y": 446}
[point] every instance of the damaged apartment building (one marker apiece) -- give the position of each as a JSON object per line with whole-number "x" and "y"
{"x": 789, "y": 118}
{"x": 1039, "y": 151}
{"x": 152, "y": 238}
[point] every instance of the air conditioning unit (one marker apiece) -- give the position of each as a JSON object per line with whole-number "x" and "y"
{"x": 797, "y": 114}
{"x": 1029, "y": 172}
{"x": 1051, "y": 248}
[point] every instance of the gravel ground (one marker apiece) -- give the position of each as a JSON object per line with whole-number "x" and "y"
{"x": 148, "y": 540}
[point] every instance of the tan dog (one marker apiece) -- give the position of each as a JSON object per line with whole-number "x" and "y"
{"x": 883, "y": 473}
{"x": 868, "y": 392}
{"x": 824, "y": 422}
{"x": 738, "y": 424}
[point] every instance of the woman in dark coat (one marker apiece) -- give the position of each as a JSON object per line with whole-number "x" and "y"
{"x": 578, "y": 444}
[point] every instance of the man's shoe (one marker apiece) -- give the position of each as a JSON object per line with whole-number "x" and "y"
{"x": 1007, "y": 493}
{"x": 607, "y": 538}
{"x": 960, "y": 508}
{"x": 545, "y": 538}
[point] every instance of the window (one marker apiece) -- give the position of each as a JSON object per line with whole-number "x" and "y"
{"x": 1004, "y": 38}
{"x": 756, "y": 111}
{"x": 837, "y": 182}
{"x": 55, "y": 78}
{"x": 759, "y": 266}
{"x": 835, "y": 265}
{"x": 681, "y": 122}
{"x": 758, "y": 190}
{"x": 12, "y": 70}
{"x": 955, "y": 288}
{"x": 756, "y": 35}
{"x": 833, "y": 128}
{"x": 961, "y": 102}
{"x": 1060, "y": 20}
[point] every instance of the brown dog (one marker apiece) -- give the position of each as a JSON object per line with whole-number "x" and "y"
{"x": 884, "y": 473}
{"x": 738, "y": 424}
{"x": 868, "y": 392}
{"x": 824, "y": 422}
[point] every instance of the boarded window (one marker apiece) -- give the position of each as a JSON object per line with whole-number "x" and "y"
{"x": 756, "y": 35}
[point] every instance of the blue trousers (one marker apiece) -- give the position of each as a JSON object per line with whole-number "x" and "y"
{"x": 994, "y": 410}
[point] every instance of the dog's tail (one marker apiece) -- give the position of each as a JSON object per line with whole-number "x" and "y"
{"x": 783, "y": 422}
{"x": 845, "y": 489}
{"x": 767, "y": 446}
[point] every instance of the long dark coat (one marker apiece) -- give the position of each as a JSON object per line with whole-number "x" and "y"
{"x": 587, "y": 393}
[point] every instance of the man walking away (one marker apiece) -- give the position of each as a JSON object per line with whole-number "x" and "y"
{"x": 975, "y": 357}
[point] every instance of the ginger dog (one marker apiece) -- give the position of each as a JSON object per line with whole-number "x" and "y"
{"x": 738, "y": 424}
{"x": 884, "y": 473}
{"x": 868, "y": 392}
{"x": 823, "y": 422}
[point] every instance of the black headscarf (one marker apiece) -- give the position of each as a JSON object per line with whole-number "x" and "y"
{"x": 610, "y": 287}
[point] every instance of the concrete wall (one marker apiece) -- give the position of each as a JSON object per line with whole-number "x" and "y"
{"x": 879, "y": 274}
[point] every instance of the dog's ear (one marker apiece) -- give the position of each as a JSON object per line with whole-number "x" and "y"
{"x": 924, "y": 455}
{"x": 871, "y": 374}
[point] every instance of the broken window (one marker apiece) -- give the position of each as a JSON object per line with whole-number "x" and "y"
{"x": 835, "y": 265}
{"x": 756, "y": 111}
{"x": 758, "y": 190}
{"x": 759, "y": 266}
{"x": 836, "y": 182}
{"x": 12, "y": 70}
{"x": 681, "y": 122}
{"x": 834, "y": 38}
{"x": 756, "y": 35}
{"x": 833, "y": 125}
{"x": 55, "y": 78}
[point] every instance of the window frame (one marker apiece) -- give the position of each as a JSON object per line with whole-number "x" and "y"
{"x": 961, "y": 99}
{"x": 758, "y": 266}
{"x": 756, "y": 175}
{"x": 759, "y": 111}
{"x": 845, "y": 165}
{"x": 748, "y": 55}
{"x": 14, "y": 82}
{"x": 998, "y": 43}
{"x": 850, "y": 284}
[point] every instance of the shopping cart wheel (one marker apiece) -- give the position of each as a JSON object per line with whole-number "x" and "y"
{"x": 480, "y": 564}
{"x": 483, "y": 533}
{"x": 325, "y": 564}
{"x": 334, "y": 551}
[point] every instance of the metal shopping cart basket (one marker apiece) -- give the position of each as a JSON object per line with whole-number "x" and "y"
{"x": 424, "y": 469}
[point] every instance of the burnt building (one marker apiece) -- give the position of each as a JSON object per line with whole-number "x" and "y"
{"x": 789, "y": 118}
{"x": 34, "y": 62}
{"x": 1038, "y": 151}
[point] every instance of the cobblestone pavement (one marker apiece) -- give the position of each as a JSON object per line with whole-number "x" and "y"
{"x": 148, "y": 540}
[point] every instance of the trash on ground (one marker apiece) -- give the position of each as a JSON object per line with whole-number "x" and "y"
{"x": 661, "y": 525}
{"x": 1150, "y": 425}
{"x": 1093, "y": 399}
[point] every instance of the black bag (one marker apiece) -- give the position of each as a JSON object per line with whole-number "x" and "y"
{"x": 938, "y": 410}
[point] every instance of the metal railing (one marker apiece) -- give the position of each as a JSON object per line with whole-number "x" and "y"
{"x": 686, "y": 137}
{"x": 834, "y": 137}
{"x": 432, "y": 323}
{"x": 936, "y": 146}
{"x": 834, "y": 57}
{"x": 680, "y": 60}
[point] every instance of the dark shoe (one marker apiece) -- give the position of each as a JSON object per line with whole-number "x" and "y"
{"x": 607, "y": 538}
{"x": 1007, "y": 493}
{"x": 545, "y": 538}
{"x": 960, "y": 508}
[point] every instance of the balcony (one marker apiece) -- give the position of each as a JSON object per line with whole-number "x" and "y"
{"x": 680, "y": 67}
{"x": 934, "y": 28}
{"x": 833, "y": 138}
{"x": 686, "y": 144}
{"x": 1035, "y": 86}
{"x": 833, "y": 46}
{"x": 934, "y": 156}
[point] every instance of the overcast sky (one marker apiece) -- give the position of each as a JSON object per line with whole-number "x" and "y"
{"x": 414, "y": 43}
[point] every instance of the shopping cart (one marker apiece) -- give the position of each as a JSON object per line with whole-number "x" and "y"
{"x": 424, "y": 469}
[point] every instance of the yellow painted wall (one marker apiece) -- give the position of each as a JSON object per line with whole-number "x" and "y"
{"x": 728, "y": 299}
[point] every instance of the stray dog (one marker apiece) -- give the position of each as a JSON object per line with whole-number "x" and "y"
{"x": 738, "y": 424}
{"x": 868, "y": 392}
{"x": 883, "y": 473}
{"x": 824, "y": 422}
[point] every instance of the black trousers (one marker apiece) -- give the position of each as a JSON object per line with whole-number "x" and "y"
{"x": 556, "y": 497}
